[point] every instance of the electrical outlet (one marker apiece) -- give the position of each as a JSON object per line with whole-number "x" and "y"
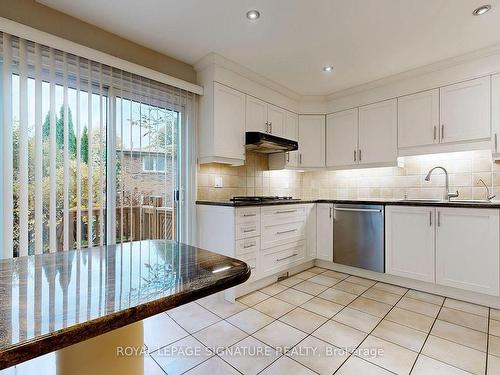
{"x": 218, "y": 181}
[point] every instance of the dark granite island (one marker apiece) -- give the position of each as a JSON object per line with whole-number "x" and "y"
{"x": 51, "y": 301}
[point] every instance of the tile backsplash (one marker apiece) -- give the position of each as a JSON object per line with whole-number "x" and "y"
{"x": 465, "y": 169}
{"x": 253, "y": 178}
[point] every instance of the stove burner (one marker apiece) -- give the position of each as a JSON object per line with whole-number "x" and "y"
{"x": 261, "y": 198}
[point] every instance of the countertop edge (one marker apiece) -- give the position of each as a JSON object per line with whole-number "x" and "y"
{"x": 402, "y": 202}
{"x": 90, "y": 329}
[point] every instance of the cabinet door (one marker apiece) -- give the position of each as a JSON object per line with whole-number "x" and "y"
{"x": 229, "y": 122}
{"x": 311, "y": 229}
{"x": 495, "y": 112}
{"x": 256, "y": 115}
{"x": 324, "y": 231}
{"x": 409, "y": 246}
{"x": 418, "y": 119}
{"x": 378, "y": 133}
{"x": 342, "y": 138}
{"x": 292, "y": 132}
{"x": 465, "y": 111}
{"x": 467, "y": 252}
{"x": 277, "y": 118}
{"x": 311, "y": 141}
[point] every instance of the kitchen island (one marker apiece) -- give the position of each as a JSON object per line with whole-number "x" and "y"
{"x": 97, "y": 298}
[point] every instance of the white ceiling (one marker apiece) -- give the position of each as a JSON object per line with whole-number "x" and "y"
{"x": 364, "y": 40}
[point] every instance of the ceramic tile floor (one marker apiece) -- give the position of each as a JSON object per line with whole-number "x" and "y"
{"x": 323, "y": 322}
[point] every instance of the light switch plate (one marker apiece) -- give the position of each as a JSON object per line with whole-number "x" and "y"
{"x": 218, "y": 181}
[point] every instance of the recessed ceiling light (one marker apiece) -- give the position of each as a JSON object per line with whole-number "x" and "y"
{"x": 253, "y": 15}
{"x": 481, "y": 10}
{"x": 328, "y": 68}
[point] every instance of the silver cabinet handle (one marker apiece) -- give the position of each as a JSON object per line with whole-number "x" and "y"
{"x": 442, "y": 131}
{"x": 249, "y": 245}
{"x": 288, "y": 157}
{"x": 300, "y": 158}
{"x": 439, "y": 219}
{"x": 248, "y": 230}
{"x": 359, "y": 155}
{"x": 496, "y": 142}
{"x": 249, "y": 215}
{"x": 355, "y": 156}
{"x": 271, "y": 127}
{"x": 435, "y": 132}
{"x": 430, "y": 218}
{"x": 358, "y": 209}
{"x": 285, "y": 211}
{"x": 330, "y": 212}
{"x": 285, "y": 258}
{"x": 267, "y": 126}
{"x": 287, "y": 231}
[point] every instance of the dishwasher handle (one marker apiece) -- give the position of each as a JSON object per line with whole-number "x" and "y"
{"x": 359, "y": 209}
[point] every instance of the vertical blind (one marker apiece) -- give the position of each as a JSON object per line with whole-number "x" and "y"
{"x": 89, "y": 152}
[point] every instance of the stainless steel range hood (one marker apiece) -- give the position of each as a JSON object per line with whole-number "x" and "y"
{"x": 268, "y": 144}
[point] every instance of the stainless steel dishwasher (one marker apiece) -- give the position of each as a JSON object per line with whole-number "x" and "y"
{"x": 358, "y": 236}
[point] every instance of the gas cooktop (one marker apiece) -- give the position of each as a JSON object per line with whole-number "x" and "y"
{"x": 262, "y": 199}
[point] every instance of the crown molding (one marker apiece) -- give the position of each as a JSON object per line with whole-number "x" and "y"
{"x": 215, "y": 59}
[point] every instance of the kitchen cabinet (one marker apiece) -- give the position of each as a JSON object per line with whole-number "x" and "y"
{"x": 342, "y": 138}
{"x": 465, "y": 111}
{"x": 256, "y": 115}
{"x": 378, "y": 130}
{"x": 495, "y": 114}
{"x": 290, "y": 159}
{"x": 311, "y": 141}
{"x": 277, "y": 119}
{"x": 222, "y": 125}
{"x": 264, "y": 117}
{"x": 324, "y": 231}
{"x": 467, "y": 249}
{"x": 418, "y": 119}
{"x": 409, "y": 246}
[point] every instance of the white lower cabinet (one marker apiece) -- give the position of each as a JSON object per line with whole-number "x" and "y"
{"x": 456, "y": 247}
{"x": 467, "y": 249}
{"x": 409, "y": 247}
{"x": 324, "y": 231}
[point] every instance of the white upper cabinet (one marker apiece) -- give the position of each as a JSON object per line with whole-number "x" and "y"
{"x": 342, "y": 138}
{"x": 418, "y": 119}
{"x": 292, "y": 126}
{"x": 495, "y": 113}
{"x": 223, "y": 133}
{"x": 256, "y": 115}
{"x": 467, "y": 249}
{"x": 311, "y": 141}
{"x": 265, "y": 118}
{"x": 409, "y": 242}
{"x": 378, "y": 131}
{"x": 465, "y": 111}
{"x": 276, "y": 118}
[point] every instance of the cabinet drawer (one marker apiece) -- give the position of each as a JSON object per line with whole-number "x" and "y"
{"x": 282, "y": 214}
{"x": 246, "y": 230}
{"x": 247, "y": 215}
{"x": 247, "y": 246}
{"x": 277, "y": 258}
{"x": 283, "y": 233}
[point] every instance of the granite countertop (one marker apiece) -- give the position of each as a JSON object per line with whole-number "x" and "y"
{"x": 51, "y": 301}
{"x": 386, "y": 202}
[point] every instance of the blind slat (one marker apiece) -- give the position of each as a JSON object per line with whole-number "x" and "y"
{"x": 8, "y": 205}
{"x": 66, "y": 162}
{"x": 38, "y": 153}
{"x": 23, "y": 151}
{"x": 52, "y": 157}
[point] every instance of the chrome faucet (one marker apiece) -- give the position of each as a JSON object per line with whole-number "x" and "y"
{"x": 488, "y": 195}
{"x": 448, "y": 194}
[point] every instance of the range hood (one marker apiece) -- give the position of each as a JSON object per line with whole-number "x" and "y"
{"x": 268, "y": 144}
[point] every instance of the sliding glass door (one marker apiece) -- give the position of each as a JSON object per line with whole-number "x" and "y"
{"x": 91, "y": 154}
{"x": 147, "y": 165}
